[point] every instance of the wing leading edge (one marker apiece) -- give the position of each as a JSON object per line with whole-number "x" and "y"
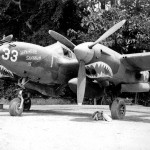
{"x": 137, "y": 61}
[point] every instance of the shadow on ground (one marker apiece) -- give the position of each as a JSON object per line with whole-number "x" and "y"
{"x": 137, "y": 118}
{"x": 87, "y": 117}
{"x": 141, "y": 116}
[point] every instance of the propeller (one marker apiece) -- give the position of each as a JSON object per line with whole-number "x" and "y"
{"x": 84, "y": 54}
{"x": 81, "y": 82}
{"x": 108, "y": 32}
{"x": 61, "y": 39}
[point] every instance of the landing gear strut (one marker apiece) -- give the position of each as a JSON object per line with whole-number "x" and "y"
{"x": 27, "y": 102}
{"x": 17, "y": 104}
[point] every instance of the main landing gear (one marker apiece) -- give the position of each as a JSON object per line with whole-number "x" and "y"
{"x": 118, "y": 109}
{"x": 17, "y": 105}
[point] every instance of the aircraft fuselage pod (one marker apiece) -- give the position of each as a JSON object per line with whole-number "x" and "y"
{"x": 45, "y": 65}
{"x": 106, "y": 64}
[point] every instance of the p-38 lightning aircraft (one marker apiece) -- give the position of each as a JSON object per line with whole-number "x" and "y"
{"x": 49, "y": 69}
{"x": 103, "y": 66}
{"x": 44, "y": 69}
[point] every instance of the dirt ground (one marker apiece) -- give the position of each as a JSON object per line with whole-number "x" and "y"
{"x": 70, "y": 127}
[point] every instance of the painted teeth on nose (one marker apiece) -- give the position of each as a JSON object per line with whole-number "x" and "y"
{"x": 99, "y": 69}
{"x": 100, "y": 74}
{"x": 110, "y": 71}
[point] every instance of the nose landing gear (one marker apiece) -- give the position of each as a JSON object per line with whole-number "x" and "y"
{"x": 17, "y": 105}
{"x": 14, "y": 109}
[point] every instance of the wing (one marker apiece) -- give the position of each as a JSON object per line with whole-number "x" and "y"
{"x": 137, "y": 61}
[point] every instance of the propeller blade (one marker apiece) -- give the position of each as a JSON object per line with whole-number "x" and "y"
{"x": 61, "y": 39}
{"x": 81, "y": 83}
{"x": 109, "y": 32}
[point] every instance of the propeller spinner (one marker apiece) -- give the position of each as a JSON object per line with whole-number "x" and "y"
{"x": 84, "y": 54}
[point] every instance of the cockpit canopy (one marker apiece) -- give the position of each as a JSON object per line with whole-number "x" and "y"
{"x": 61, "y": 49}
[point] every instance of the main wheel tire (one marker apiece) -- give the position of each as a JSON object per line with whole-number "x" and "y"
{"x": 14, "y": 109}
{"x": 27, "y": 105}
{"x": 118, "y": 109}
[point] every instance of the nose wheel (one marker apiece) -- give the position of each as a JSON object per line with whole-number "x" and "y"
{"x": 14, "y": 107}
{"x": 17, "y": 105}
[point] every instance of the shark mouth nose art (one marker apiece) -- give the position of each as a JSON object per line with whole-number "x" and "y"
{"x": 98, "y": 70}
{"x": 5, "y": 73}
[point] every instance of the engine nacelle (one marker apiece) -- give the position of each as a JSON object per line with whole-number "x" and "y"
{"x": 135, "y": 87}
{"x": 92, "y": 90}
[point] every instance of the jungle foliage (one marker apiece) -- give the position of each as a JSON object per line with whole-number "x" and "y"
{"x": 79, "y": 21}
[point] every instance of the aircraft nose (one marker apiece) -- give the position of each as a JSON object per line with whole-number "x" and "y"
{"x": 83, "y": 53}
{"x": 2, "y": 52}
{"x": 7, "y": 54}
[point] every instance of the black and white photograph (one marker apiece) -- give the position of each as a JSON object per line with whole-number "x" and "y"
{"x": 74, "y": 74}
